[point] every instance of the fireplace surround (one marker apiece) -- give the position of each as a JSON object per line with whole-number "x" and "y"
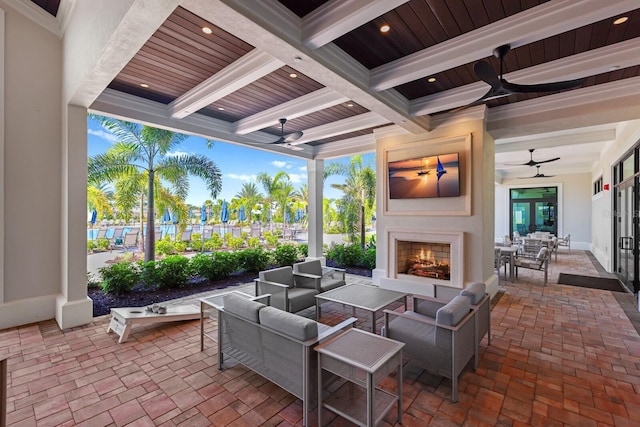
{"x": 419, "y": 259}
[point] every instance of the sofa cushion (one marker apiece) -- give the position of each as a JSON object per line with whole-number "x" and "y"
{"x": 283, "y": 275}
{"x": 475, "y": 292}
{"x": 541, "y": 254}
{"x": 454, "y": 311}
{"x": 292, "y": 325}
{"x": 328, "y": 283}
{"x": 242, "y": 307}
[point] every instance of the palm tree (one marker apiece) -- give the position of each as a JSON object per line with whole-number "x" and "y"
{"x": 271, "y": 187}
{"x": 359, "y": 188}
{"x": 284, "y": 195}
{"x": 98, "y": 198}
{"x": 144, "y": 149}
{"x": 249, "y": 196}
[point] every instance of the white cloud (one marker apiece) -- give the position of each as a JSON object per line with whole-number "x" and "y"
{"x": 245, "y": 177}
{"x": 302, "y": 168}
{"x": 279, "y": 163}
{"x": 177, "y": 153}
{"x": 297, "y": 178}
{"x": 106, "y": 135}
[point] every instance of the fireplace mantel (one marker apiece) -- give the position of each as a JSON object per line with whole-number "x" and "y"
{"x": 422, "y": 285}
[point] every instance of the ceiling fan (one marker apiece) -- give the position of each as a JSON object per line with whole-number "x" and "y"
{"x": 286, "y": 140}
{"x": 537, "y": 175}
{"x": 500, "y": 87}
{"x": 532, "y": 162}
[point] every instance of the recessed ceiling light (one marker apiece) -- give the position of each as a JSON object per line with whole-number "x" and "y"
{"x": 621, "y": 20}
{"x": 431, "y": 79}
{"x": 350, "y": 104}
{"x": 384, "y": 28}
{"x": 221, "y": 108}
{"x": 144, "y": 85}
{"x": 207, "y": 30}
{"x": 293, "y": 75}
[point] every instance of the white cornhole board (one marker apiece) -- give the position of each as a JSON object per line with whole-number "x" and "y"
{"x": 123, "y": 318}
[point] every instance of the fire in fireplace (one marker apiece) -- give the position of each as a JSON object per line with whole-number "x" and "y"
{"x": 425, "y": 259}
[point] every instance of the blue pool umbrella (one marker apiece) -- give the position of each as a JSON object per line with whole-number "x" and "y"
{"x": 174, "y": 218}
{"x": 190, "y": 212}
{"x": 203, "y": 214}
{"x": 299, "y": 215}
{"x": 224, "y": 212}
{"x": 287, "y": 217}
{"x": 94, "y": 216}
{"x": 241, "y": 215}
{"x": 166, "y": 217}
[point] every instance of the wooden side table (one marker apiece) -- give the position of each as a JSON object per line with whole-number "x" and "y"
{"x": 363, "y": 359}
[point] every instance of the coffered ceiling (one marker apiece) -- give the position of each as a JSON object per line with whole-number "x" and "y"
{"x": 327, "y": 67}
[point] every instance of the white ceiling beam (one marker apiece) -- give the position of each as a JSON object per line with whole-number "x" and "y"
{"x": 337, "y": 17}
{"x": 246, "y": 70}
{"x": 269, "y": 26}
{"x": 531, "y": 25}
{"x": 591, "y": 106}
{"x": 589, "y": 63}
{"x": 350, "y": 124}
{"x": 550, "y": 140}
{"x": 301, "y": 106}
{"x": 346, "y": 147}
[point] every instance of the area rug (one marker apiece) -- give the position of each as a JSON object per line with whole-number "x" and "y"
{"x": 607, "y": 284}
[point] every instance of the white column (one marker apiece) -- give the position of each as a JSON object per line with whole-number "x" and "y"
{"x": 315, "y": 174}
{"x": 73, "y": 307}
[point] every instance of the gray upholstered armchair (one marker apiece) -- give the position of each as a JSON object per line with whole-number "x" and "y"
{"x": 439, "y": 338}
{"x": 289, "y": 291}
{"x": 330, "y": 278}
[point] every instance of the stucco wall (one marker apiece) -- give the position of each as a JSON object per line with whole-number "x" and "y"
{"x": 574, "y": 206}
{"x": 477, "y": 227}
{"x": 32, "y": 161}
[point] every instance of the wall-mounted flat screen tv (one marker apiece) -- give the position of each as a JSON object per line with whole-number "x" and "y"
{"x": 422, "y": 177}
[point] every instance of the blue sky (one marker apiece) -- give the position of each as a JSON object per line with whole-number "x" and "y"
{"x": 237, "y": 164}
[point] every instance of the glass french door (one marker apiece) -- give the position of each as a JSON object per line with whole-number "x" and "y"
{"x": 626, "y": 232}
{"x": 534, "y": 209}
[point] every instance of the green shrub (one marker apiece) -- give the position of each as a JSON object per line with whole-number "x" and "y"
{"x": 285, "y": 255}
{"x": 148, "y": 274}
{"x": 164, "y": 247}
{"x": 172, "y": 272}
{"x": 119, "y": 278}
{"x": 303, "y": 250}
{"x": 103, "y": 243}
{"x": 270, "y": 238}
{"x": 91, "y": 245}
{"x": 180, "y": 247}
{"x": 214, "y": 243}
{"x": 255, "y": 259}
{"x": 201, "y": 265}
{"x": 253, "y": 242}
{"x": 235, "y": 242}
{"x": 369, "y": 258}
{"x": 346, "y": 255}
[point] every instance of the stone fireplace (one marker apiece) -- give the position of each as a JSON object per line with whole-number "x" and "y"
{"x": 417, "y": 260}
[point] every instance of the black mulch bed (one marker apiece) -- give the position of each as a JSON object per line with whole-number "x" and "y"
{"x": 102, "y": 303}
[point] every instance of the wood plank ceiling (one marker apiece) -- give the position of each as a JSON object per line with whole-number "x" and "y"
{"x": 180, "y": 57}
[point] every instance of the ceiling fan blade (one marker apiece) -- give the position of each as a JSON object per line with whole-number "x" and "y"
{"x": 294, "y": 147}
{"x": 537, "y": 162}
{"x": 487, "y": 74}
{"x": 294, "y": 136}
{"x": 543, "y": 87}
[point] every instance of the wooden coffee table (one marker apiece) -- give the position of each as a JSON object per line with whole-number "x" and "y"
{"x": 364, "y": 297}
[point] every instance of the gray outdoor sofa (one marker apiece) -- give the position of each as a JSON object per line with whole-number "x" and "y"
{"x": 275, "y": 344}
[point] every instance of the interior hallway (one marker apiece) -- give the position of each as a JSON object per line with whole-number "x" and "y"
{"x": 558, "y": 355}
